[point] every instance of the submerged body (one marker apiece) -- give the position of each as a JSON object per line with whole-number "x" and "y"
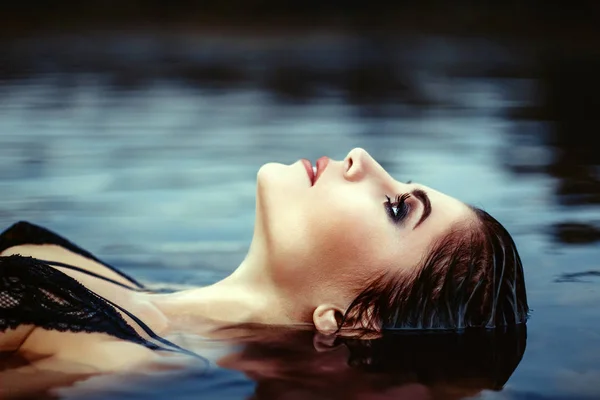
{"x": 66, "y": 316}
{"x": 88, "y": 344}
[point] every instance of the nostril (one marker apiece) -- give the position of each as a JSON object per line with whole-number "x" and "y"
{"x": 351, "y": 170}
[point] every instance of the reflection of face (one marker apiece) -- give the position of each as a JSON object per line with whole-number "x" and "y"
{"x": 324, "y": 242}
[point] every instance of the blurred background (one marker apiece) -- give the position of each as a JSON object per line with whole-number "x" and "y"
{"x": 136, "y": 128}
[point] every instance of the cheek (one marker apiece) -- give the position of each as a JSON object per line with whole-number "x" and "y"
{"x": 322, "y": 241}
{"x": 348, "y": 249}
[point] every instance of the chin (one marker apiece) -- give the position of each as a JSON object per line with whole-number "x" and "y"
{"x": 271, "y": 182}
{"x": 280, "y": 191}
{"x": 278, "y": 177}
{"x": 270, "y": 171}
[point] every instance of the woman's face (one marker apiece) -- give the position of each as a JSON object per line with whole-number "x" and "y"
{"x": 325, "y": 238}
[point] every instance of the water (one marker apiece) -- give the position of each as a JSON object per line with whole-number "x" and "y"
{"x": 143, "y": 148}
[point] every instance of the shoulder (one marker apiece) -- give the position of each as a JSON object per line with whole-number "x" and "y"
{"x": 35, "y": 294}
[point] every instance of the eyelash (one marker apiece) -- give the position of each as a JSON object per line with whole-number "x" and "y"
{"x": 400, "y": 205}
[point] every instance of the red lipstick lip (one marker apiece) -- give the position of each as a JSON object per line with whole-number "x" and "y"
{"x": 309, "y": 170}
{"x": 321, "y": 165}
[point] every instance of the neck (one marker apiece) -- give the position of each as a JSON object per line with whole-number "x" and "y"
{"x": 247, "y": 296}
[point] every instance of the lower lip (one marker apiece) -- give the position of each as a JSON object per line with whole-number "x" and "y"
{"x": 309, "y": 170}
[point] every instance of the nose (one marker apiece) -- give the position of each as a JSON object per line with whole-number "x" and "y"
{"x": 358, "y": 164}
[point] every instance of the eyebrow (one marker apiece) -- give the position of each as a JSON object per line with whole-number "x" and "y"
{"x": 422, "y": 196}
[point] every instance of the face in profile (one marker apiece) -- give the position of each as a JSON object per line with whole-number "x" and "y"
{"x": 325, "y": 236}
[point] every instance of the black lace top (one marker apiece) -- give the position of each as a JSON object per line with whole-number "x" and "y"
{"x": 33, "y": 292}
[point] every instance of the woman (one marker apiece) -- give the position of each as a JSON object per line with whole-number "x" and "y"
{"x": 340, "y": 247}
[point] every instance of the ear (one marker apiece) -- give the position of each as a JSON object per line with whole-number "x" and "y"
{"x": 327, "y": 318}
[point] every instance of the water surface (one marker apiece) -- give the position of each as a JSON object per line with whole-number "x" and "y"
{"x": 143, "y": 148}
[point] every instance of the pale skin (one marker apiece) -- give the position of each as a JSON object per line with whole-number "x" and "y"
{"x": 314, "y": 248}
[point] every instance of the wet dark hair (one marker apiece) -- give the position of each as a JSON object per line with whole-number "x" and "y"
{"x": 472, "y": 277}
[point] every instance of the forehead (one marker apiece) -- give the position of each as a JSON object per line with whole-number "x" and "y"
{"x": 445, "y": 210}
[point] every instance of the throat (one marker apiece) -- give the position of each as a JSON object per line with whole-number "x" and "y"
{"x": 224, "y": 303}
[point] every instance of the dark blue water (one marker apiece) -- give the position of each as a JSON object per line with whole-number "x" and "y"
{"x": 143, "y": 148}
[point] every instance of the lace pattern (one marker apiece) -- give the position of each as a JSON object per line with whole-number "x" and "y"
{"x": 32, "y": 292}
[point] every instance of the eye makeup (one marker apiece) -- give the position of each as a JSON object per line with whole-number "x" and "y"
{"x": 399, "y": 209}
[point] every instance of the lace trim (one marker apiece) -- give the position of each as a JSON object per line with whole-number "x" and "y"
{"x": 32, "y": 292}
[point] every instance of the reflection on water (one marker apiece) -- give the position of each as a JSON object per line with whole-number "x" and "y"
{"x": 144, "y": 147}
{"x": 300, "y": 364}
{"x": 411, "y": 366}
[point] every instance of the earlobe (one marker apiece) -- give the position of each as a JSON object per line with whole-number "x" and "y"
{"x": 326, "y": 318}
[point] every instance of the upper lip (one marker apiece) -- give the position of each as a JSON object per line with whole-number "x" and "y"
{"x": 321, "y": 165}
{"x": 309, "y": 170}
